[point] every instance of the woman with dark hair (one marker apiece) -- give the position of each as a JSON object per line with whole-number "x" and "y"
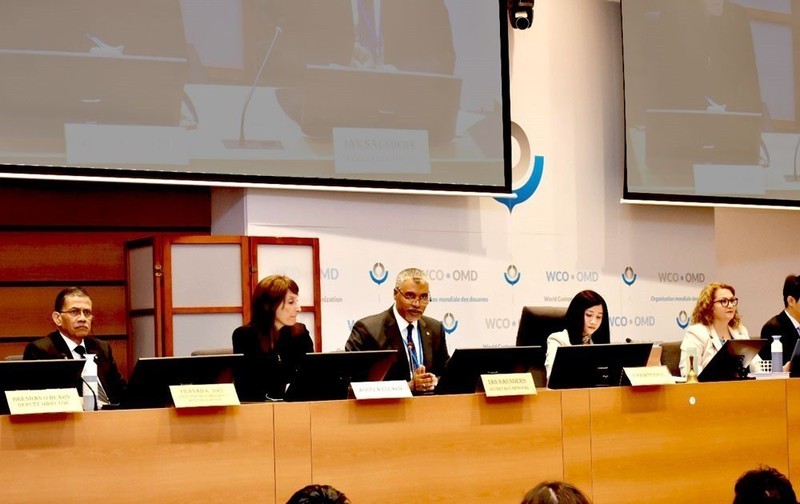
{"x": 715, "y": 320}
{"x": 555, "y": 492}
{"x": 273, "y": 342}
{"x": 587, "y": 323}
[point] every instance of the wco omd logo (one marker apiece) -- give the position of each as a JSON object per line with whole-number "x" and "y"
{"x": 682, "y": 319}
{"x": 628, "y": 276}
{"x": 449, "y": 323}
{"x": 378, "y": 273}
{"x": 512, "y": 275}
{"x": 529, "y": 181}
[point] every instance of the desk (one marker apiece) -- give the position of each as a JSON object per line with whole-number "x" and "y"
{"x": 151, "y": 456}
{"x": 620, "y": 445}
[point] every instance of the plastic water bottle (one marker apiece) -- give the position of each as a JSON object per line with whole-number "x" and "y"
{"x": 777, "y": 354}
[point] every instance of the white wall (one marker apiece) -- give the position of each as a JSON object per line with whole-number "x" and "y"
{"x": 566, "y": 89}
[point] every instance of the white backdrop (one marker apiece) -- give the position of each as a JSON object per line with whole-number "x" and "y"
{"x": 486, "y": 261}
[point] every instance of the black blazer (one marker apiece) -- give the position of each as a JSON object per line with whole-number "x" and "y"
{"x": 265, "y": 373}
{"x": 380, "y": 332}
{"x": 53, "y": 346}
{"x": 779, "y": 324}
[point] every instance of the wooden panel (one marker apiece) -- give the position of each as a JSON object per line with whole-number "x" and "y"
{"x": 63, "y": 256}
{"x": 449, "y": 449}
{"x": 692, "y": 441}
{"x": 157, "y": 455}
{"x": 27, "y": 310}
{"x": 576, "y": 424}
{"x": 292, "y": 448}
{"x": 81, "y": 204}
{"x": 793, "y": 430}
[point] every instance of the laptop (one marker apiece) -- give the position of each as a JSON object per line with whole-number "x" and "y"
{"x": 90, "y": 61}
{"x": 731, "y": 361}
{"x": 327, "y": 375}
{"x": 152, "y": 377}
{"x": 38, "y": 375}
{"x": 676, "y": 140}
{"x": 462, "y": 374}
{"x": 584, "y": 366}
{"x": 346, "y": 97}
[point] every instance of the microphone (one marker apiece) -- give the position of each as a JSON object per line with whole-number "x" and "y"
{"x": 242, "y": 142}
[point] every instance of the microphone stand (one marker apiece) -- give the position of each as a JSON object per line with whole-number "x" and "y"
{"x": 242, "y": 142}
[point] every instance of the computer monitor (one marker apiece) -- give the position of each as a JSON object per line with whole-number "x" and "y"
{"x": 38, "y": 375}
{"x": 583, "y": 366}
{"x": 731, "y": 361}
{"x": 462, "y": 374}
{"x": 152, "y": 377}
{"x": 327, "y": 375}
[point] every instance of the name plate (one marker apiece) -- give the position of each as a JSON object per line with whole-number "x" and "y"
{"x": 365, "y": 150}
{"x": 390, "y": 389}
{"x": 29, "y": 402}
{"x": 508, "y": 384}
{"x": 649, "y": 375}
{"x": 194, "y": 396}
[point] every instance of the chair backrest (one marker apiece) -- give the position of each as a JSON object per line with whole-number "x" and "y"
{"x": 671, "y": 356}
{"x": 538, "y": 322}
{"x": 213, "y": 351}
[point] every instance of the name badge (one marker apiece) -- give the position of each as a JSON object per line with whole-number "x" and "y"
{"x": 508, "y": 384}
{"x": 29, "y": 402}
{"x": 390, "y": 389}
{"x": 194, "y": 396}
{"x": 649, "y": 375}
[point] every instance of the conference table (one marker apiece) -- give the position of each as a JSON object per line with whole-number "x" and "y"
{"x": 620, "y": 445}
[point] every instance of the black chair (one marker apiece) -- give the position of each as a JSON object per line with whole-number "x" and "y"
{"x": 671, "y": 356}
{"x": 535, "y": 324}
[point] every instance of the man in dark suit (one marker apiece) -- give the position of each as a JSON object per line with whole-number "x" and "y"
{"x": 420, "y": 341}
{"x": 73, "y": 316}
{"x": 785, "y": 323}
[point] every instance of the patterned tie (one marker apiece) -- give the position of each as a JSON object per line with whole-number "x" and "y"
{"x": 80, "y": 350}
{"x": 412, "y": 349}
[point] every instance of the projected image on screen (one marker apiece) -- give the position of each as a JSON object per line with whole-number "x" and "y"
{"x": 352, "y": 92}
{"x": 711, "y": 112}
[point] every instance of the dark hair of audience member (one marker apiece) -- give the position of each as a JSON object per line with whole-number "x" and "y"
{"x": 318, "y": 494}
{"x": 555, "y": 492}
{"x": 765, "y": 485}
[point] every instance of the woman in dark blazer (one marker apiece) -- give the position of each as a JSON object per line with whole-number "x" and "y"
{"x": 273, "y": 343}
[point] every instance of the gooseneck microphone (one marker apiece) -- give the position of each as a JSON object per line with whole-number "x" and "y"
{"x": 94, "y": 396}
{"x": 243, "y": 143}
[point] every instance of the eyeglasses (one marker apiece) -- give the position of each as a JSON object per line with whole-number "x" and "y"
{"x": 726, "y": 302}
{"x": 411, "y": 297}
{"x": 76, "y": 312}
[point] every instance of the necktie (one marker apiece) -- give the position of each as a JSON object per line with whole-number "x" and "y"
{"x": 412, "y": 349}
{"x": 80, "y": 350}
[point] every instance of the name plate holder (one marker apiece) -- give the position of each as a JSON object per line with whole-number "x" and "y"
{"x": 31, "y": 402}
{"x": 201, "y": 396}
{"x": 390, "y": 389}
{"x": 649, "y": 376}
{"x": 508, "y": 384}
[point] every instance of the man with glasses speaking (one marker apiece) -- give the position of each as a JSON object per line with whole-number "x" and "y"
{"x": 73, "y": 317}
{"x": 419, "y": 340}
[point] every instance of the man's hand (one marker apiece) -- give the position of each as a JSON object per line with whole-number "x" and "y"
{"x": 422, "y": 381}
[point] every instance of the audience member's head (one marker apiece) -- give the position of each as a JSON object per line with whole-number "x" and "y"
{"x": 318, "y": 494}
{"x": 764, "y": 485}
{"x": 555, "y": 492}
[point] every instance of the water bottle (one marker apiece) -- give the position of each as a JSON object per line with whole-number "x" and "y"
{"x": 777, "y": 354}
